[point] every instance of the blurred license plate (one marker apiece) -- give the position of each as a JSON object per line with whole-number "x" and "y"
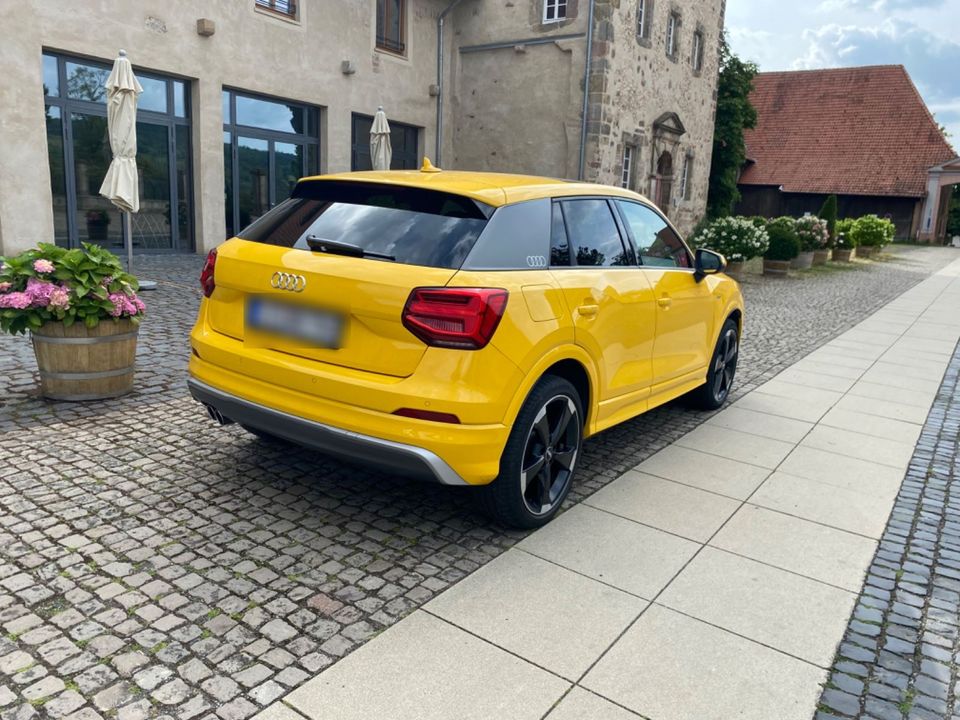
{"x": 316, "y": 327}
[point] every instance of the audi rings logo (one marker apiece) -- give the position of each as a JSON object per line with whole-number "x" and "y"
{"x": 536, "y": 261}
{"x": 288, "y": 282}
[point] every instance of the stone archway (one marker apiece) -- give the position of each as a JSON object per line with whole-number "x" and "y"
{"x": 664, "y": 180}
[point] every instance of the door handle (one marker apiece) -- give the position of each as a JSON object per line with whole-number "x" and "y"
{"x": 665, "y": 303}
{"x": 588, "y": 310}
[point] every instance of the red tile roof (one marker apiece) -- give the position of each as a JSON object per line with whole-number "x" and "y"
{"x": 850, "y": 131}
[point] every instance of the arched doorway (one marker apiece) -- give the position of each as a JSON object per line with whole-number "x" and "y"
{"x": 664, "y": 180}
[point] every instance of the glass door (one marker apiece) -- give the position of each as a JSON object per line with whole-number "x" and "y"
{"x": 96, "y": 219}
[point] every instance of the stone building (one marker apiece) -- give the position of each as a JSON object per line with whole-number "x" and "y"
{"x": 242, "y": 97}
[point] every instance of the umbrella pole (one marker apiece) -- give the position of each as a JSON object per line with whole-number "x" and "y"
{"x": 128, "y": 227}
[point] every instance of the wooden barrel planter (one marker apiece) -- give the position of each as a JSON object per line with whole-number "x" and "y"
{"x": 735, "y": 269}
{"x": 803, "y": 261}
{"x": 842, "y": 254}
{"x": 81, "y": 363}
{"x": 866, "y": 251}
{"x": 776, "y": 268}
{"x": 820, "y": 257}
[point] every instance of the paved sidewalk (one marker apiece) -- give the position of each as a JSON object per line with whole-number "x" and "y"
{"x": 713, "y": 581}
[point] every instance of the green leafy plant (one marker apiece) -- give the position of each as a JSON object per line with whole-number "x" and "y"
{"x": 738, "y": 238}
{"x": 784, "y": 245}
{"x": 829, "y": 213}
{"x": 53, "y": 284}
{"x": 845, "y": 240}
{"x": 872, "y": 231}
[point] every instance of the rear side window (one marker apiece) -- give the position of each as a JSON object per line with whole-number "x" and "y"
{"x": 415, "y": 226}
{"x": 592, "y": 234}
{"x": 657, "y": 244}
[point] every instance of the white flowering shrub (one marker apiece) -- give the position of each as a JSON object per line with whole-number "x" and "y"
{"x": 737, "y": 238}
{"x": 813, "y": 233}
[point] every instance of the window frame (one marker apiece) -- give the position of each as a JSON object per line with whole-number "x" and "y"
{"x": 638, "y": 256}
{"x": 643, "y": 24}
{"x": 627, "y": 166}
{"x": 685, "y": 177}
{"x": 384, "y": 43}
{"x": 673, "y": 32}
{"x": 696, "y": 57}
{"x": 625, "y": 241}
{"x": 275, "y": 7}
{"x": 415, "y": 131}
{"x": 557, "y": 5}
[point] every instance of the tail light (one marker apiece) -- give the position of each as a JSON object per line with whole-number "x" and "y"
{"x": 206, "y": 275}
{"x": 461, "y": 318}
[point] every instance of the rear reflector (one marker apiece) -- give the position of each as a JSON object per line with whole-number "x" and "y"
{"x": 460, "y": 318}
{"x": 428, "y": 415}
{"x": 206, "y": 275}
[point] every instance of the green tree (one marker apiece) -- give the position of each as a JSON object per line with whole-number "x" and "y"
{"x": 734, "y": 114}
{"x": 829, "y": 213}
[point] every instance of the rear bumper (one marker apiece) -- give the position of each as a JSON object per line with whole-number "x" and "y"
{"x": 385, "y": 454}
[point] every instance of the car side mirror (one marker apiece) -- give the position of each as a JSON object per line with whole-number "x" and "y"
{"x": 708, "y": 262}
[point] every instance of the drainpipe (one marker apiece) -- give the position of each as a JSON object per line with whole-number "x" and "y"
{"x": 586, "y": 93}
{"x": 443, "y": 15}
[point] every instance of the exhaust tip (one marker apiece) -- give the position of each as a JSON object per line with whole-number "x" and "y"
{"x": 217, "y": 416}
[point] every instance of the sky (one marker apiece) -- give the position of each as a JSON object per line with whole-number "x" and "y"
{"x": 922, "y": 35}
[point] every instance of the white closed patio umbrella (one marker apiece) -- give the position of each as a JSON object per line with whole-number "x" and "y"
{"x": 121, "y": 185}
{"x": 381, "y": 151}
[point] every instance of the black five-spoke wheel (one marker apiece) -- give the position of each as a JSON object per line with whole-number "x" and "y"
{"x": 550, "y": 454}
{"x": 725, "y": 364}
{"x": 539, "y": 460}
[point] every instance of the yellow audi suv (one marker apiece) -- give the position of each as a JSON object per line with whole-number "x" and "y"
{"x": 467, "y": 328}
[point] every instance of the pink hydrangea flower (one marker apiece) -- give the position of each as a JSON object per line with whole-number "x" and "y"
{"x": 39, "y": 292}
{"x": 15, "y": 300}
{"x": 43, "y": 266}
{"x": 4, "y": 286}
{"x": 60, "y": 298}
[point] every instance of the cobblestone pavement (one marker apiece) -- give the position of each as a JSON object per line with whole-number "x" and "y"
{"x": 899, "y": 656}
{"x": 152, "y": 563}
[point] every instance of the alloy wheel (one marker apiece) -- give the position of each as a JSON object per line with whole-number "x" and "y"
{"x": 725, "y": 365}
{"x": 550, "y": 454}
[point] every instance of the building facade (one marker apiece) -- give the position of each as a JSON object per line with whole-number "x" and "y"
{"x": 863, "y": 134}
{"x": 242, "y": 97}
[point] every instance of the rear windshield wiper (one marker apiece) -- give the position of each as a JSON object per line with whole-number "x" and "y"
{"x": 338, "y": 247}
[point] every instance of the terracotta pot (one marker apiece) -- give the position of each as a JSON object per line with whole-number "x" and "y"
{"x": 842, "y": 254}
{"x": 803, "y": 261}
{"x": 820, "y": 257}
{"x": 776, "y": 268}
{"x": 81, "y": 363}
{"x": 735, "y": 269}
{"x": 866, "y": 251}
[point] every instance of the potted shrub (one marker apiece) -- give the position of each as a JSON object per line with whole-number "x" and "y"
{"x": 97, "y": 223}
{"x": 814, "y": 236}
{"x": 843, "y": 245}
{"x": 83, "y": 313}
{"x": 871, "y": 233}
{"x": 829, "y": 213}
{"x": 783, "y": 248}
{"x": 738, "y": 239}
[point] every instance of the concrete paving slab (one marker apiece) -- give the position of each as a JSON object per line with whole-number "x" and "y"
{"x": 800, "y": 546}
{"x": 423, "y": 668}
{"x": 794, "y": 614}
{"x": 839, "y": 359}
{"x": 763, "y": 424}
{"x": 555, "y": 618}
{"x": 794, "y": 408}
{"x": 872, "y": 425}
{"x": 889, "y": 375}
{"x": 672, "y": 667}
{"x": 815, "y": 380}
{"x": 911, "y": 369}
{"x": 855, "y": 511}
{"x": 621, "y": 553}
{"x": 841, "y": 471}
{"x": 884, "y": 408}
{"x": 278, "y": 711}
{"x": 827, "y": 368}
{"x": 858, "y": 445}
{"x": 580, "y": 704}
{"x": 736, "y": 445}
{"x": 867, "y": 389}
{"x": 664, "y": 504}
{"x": 824, "y": 398}
{"x": 707, "y": 472}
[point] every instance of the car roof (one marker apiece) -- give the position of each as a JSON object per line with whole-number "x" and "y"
{"x": 494, "y": 189}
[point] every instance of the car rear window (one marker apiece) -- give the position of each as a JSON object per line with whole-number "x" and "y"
{"x": 415, "y": 226}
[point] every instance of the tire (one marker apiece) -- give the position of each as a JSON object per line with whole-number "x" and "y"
{"x": 547, "y": 440}
{"x": 721, "y": 371}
